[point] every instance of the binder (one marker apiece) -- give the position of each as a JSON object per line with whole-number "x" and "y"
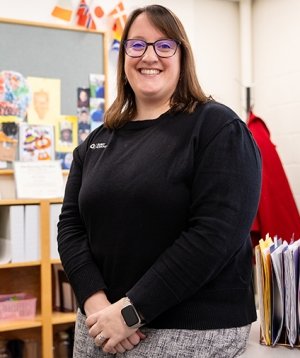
{"x": 32, "y": 233}
{"x": 12, "y": 228}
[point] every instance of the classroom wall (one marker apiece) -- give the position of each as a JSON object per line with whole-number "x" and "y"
{"x": 214, "y": 30}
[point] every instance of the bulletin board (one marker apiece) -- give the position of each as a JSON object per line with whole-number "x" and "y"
{"x": 49, "y": 51}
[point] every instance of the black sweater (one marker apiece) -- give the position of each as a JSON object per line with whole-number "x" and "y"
{"x": 161, "y": 210}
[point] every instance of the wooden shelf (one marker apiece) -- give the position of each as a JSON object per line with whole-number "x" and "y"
{"x": 20, "y": 264}
{"x": 19, "y": 201}
{"x": 35, "y": 278}
{"x": 20, "y": 324}
{"x": 6, "y": 172}
{"x": 62, "y": 317}
{"x": 11, "y": 172}
{"x": 55, "y": 261}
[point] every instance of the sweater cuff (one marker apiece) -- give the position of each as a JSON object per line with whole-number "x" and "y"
{"x": 85, "y": 282}
{"x": 151, "y": 296}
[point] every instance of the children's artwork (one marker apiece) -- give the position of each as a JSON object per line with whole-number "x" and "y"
{"x": 36, "y": 142}
{"x": 9, "y": 131}
{"x": 14, "y": 95}
{"x": 97, "y": 85}
{"x": 44, "y": 107}
{"x": 8, "y": 148}
{"x": 66, "y": 134}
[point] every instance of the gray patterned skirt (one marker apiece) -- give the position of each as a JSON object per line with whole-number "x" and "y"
{"x": 169, "y": 343}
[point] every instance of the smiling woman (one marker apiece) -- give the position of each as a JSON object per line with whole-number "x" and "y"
{"x": 154, "y": 233}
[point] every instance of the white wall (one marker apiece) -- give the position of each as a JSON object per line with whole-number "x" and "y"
{"x": 216, "y": 48}
{"x": 276, "y": 55}
{"x": 213, "y": 29}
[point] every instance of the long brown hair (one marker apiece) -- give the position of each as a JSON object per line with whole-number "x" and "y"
{"x": 188, "y": 91}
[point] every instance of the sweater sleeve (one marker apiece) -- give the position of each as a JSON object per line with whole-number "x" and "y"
{"x": 224, "y": 198}
{"x": 73, "y": 246}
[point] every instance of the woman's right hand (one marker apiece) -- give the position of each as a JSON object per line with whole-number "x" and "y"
{"x": 99, "y": 301}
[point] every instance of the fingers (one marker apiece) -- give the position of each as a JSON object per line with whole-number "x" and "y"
{"x": 91, "y": 320}
{"x": 134, "y": 339}
{"x": 126, "y": 344}
{"x": 119, "y": 348}
{"x": 99, "y": 340}
{"x": 140, "y": 334}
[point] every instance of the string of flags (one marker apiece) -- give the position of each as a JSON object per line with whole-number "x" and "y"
{"x": 91, "y": 15}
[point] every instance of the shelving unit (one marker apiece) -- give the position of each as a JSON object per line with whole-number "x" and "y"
{"x": 33, "y": 277}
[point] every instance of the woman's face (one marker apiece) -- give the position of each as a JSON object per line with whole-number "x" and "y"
{"x": 151, "y": 77}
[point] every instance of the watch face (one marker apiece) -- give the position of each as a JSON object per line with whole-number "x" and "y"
{"x": 130, "y": 316}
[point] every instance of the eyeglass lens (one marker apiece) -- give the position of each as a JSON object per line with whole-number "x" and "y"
{"x": 163, "y": 48}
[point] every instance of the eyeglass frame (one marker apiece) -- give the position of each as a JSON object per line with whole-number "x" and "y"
{"x": 178, "y": 43}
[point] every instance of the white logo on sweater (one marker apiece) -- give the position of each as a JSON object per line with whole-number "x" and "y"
{"x": 98, "y": 145}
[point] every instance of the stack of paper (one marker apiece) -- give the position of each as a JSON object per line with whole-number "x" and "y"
{"x": 278, "y": 286}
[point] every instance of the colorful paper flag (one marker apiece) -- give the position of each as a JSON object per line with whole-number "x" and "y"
{"x": 84, "y": 17}
{"x": 63, "y": 10}
{"x": 115, "y": 46}
{"x": 119, "y": 15}
{"x": 97, "y": 10}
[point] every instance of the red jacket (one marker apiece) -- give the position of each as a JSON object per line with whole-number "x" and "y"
{"x": 277, "y": 212}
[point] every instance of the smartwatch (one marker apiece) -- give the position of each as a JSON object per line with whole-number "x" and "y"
{"x": 130, "y": 315}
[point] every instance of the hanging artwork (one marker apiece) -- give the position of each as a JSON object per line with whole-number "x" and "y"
{"x": 44, "y": 107}
{"x": 36, "y": 142}
{"x": 14, "y": 94}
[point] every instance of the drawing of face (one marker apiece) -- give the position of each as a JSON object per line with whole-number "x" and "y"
{"x": 41, "y": 103}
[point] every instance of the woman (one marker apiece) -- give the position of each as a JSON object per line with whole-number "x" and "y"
{"x": 154, "y": 229}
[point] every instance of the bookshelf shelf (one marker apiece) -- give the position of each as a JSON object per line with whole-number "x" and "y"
{"x": 6, "y": 202}
{"x": 55, "y": 261}
{"x": 6, "y": 326}
{"x": 20, "y": 264}
{"x": 6, "y": 172}
{"x": 35, "y": 278}
{"x": 61, "y": 318}
{"x": 11, "y": 172}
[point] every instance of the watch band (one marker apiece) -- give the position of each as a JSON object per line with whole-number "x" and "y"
{"x": 130, "y": 315}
